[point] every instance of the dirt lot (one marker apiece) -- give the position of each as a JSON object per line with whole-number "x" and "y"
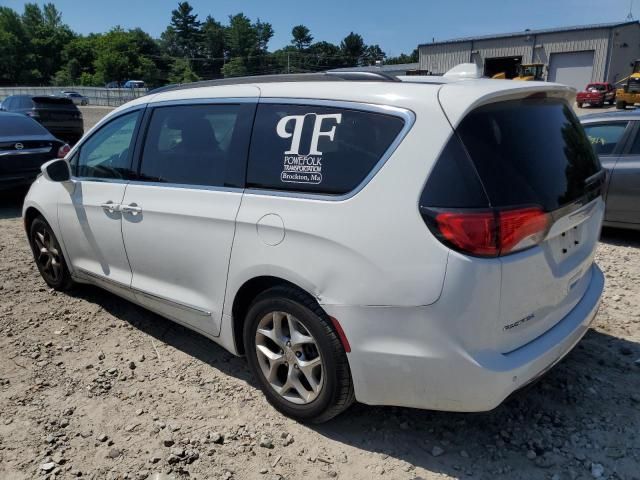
{"x": 91, "y": 115}
{"x": 92, "y": 386}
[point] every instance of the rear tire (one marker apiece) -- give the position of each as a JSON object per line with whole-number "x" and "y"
{"x": 621, "y": 104}
{"x": 285, "y": 331}
{"x": 48, "y": 256}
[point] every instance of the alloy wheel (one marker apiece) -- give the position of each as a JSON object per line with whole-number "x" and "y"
{"x": 289, "y": 358}
{"x": 47, "y": 252}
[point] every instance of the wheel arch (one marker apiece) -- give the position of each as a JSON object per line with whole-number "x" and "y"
{"x": 249, "y": 290}
{"x": 30, "y": 215}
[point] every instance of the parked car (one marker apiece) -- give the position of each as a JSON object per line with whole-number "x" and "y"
{"x": 113, "y": 85}
{"x": 57, "y": 114}
{"x": 24, "y": 146}
{"x": 615, "y": 138}
{"x": 134, "y": 84}
{"x": 597, "y": 94}
{"x": 76, "y": 97}
{"x": 356, "y": 236}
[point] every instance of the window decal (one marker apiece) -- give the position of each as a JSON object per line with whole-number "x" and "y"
{"x": 305, "y": 168}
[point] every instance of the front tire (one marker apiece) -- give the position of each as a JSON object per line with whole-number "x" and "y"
{"x": 296, "y": 356}
{"x": 621, "y": 104}
{"x": 48, "y": 255}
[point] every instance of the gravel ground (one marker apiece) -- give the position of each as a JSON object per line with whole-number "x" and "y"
{"x": 92, "y": 386}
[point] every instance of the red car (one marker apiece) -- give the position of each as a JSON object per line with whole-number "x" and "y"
{"x": 597, "y": 94}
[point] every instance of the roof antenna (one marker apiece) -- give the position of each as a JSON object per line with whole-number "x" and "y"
{"x": 630, "y": 15}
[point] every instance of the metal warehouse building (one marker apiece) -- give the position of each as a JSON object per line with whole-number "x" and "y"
{"x": 573, "y": 56}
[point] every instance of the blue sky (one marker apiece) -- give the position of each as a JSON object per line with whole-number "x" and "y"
{"x": 397, "y": 26}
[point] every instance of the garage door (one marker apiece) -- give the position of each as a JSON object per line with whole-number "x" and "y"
{"x": 573, "y": 69}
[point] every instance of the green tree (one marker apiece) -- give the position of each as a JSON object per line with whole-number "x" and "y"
{"x": 326, "y": 55}
{"x": 353, "y": 48}
{"x": 120, "y": 56}
{"x": 264, "y": 33}
{"x": 47, "y": 37}
{"x": 372, "y": 55}
{"x": 241, "y": 37}
{"x": 213, "y": 38}
{"x": 302, "y": 37}
{"x": 181, "y": 72}
{"x": 187, "y": 28}
{"x": 236, "y": 67}
{"x": 78, "y": 57}
{"x": 213, "y": 45}
{"x": 403, "y": 58}
{"x": 14, "y": 48}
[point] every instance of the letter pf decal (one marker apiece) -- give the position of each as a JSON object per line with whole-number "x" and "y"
{"x": 298, "y": 124}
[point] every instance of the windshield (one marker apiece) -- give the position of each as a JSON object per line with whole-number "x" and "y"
{"x": 599, "y": 88}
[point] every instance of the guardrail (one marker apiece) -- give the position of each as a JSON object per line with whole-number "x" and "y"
{"x": 107, "y": 97}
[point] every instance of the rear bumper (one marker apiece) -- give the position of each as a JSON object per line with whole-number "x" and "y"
{"x": 405, "y": 357}
{"x": 585, "y": 99}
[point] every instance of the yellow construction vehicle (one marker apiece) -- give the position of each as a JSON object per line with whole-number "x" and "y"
{"x": 629, "y": 91}
{"x": 530, "y": 72}
{"x": 527, "y": 72}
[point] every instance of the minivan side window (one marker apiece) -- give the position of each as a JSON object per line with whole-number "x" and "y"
{"x": 106, "y": 154}
{"x": 317, "y": 149}
{"x": 605, "y": 136}
{"x": 199, "y": 145}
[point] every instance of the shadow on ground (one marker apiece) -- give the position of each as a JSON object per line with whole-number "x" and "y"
{"x": 11, "y": 203}
{"x": 618, "y": 236}
{"x": 572, "y": 403}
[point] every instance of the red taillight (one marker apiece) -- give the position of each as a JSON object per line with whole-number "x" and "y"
{"x": 473, "y": 232}
{"x": 522, "y": 228}
{"x": 491, "y": 233}
{"x": 63, "y": 150}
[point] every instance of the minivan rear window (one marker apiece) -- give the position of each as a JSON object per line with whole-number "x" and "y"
{"x": 529, "y": 151}
{"x": 317, "y": 149}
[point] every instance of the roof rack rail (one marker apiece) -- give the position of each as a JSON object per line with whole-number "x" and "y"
{"x": 328, "y": 76}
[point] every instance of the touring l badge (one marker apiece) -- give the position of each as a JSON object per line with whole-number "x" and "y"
{"x": 519, "y": 323}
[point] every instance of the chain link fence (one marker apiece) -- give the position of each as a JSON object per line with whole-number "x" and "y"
{"x": 106, "y": 97}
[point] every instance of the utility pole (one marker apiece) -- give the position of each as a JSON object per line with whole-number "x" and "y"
{"x": 288, "y": 63}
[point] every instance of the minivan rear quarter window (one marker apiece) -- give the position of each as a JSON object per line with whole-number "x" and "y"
{"x": 529, "y": 151}
{"x": 317, "y": 149}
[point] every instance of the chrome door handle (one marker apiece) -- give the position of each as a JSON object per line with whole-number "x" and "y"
{"x": 110, "y": 207}
{"x": 132, "y": 208}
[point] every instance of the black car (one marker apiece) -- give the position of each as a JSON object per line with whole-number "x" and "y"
{"x": 57, "y": 114}
{"x": 24, "y": 146}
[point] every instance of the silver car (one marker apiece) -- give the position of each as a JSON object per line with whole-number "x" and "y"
{"x": 615, "y": 138}
{"x": 76, "y": 97}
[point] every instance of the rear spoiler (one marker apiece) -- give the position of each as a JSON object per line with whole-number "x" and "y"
{"x": 459, "y": 98}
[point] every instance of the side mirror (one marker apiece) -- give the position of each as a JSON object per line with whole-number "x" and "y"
{"x": 56, "y": 170}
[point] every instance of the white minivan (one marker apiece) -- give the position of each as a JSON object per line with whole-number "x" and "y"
{"x": 418, "y": 241}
